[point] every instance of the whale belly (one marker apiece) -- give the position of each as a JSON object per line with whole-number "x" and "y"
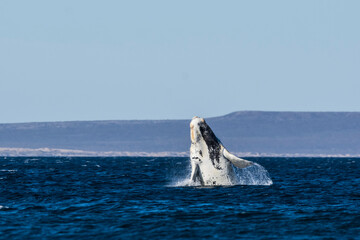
{"x": 212, "y": 176}
{"x": 207, "y": 172}
{"x": 207, "y": 175}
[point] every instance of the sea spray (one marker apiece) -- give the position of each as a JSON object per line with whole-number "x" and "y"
{"x": 179, "y": 174}
{"x": 253, "y": 175}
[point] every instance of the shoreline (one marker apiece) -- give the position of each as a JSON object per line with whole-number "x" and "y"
{"x": 57, "y": 152}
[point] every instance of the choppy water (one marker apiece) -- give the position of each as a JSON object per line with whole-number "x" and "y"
{"x": 121, "y": 198}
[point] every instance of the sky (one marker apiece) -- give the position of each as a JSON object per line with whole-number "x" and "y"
{"x": 112, "y": 60}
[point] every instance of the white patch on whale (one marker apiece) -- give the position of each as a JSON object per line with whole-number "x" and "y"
{"x": 212, "y": 164}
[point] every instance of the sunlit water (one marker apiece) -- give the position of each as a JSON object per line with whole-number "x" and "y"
{"x": 142, "y": 198}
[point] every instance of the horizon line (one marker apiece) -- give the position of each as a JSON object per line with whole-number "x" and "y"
{"x": 178, "y": 119}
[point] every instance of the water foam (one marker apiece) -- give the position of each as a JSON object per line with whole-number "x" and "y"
{"x": 181, "y": 179}
{"x": 252, "y": 175}
{"x": 186, "y": 182}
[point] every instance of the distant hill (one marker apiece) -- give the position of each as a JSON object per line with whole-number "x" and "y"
{"x": 253, "y": 132}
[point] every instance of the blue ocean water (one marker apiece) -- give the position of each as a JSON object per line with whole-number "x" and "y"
{"x": 138, "y": 198}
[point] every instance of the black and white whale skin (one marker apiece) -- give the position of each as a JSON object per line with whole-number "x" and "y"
{"x": 211, "y": 163}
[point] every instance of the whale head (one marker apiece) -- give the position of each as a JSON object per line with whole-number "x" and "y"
{"x": 195, "y": 134}
{"x": 200, "y": 131}
{"x": 204, "y": 139}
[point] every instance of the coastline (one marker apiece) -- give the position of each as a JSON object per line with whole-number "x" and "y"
{"x": 57, "y": 152}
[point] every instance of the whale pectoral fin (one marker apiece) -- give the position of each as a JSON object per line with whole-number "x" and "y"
{"x": 238, "y": 162}
{"x": 196, "y": 175}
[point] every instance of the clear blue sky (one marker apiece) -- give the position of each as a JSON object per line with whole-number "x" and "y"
{"x": 93, "y": 60}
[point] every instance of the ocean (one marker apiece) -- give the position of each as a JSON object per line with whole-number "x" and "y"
{"x": 144, "y": 198}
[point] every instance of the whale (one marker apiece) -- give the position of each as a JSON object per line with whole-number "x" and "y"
{"x": 211, "y": 163}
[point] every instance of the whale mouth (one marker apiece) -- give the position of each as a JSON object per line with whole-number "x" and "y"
{"x": 197, "y": 177}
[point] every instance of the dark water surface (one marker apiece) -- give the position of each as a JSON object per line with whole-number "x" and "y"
{"x": 135, "y": 198}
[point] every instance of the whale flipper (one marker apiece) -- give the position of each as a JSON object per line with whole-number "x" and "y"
{"x": 196, "y": 175}
{"x": 238, "y": 162}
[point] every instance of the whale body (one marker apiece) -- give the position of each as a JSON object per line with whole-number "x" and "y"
{"x": 211, "y": 163}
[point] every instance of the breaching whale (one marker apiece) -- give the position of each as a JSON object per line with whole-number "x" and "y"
{"x": 211, "y": 163}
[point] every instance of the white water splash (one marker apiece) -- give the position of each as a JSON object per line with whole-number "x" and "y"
{"x": 187, "y": 182}
{"x": 253, "y": 175}
{"x": 8, "y": 170}
{"x": 178, "y": 180}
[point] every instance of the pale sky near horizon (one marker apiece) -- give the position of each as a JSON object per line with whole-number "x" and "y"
{"x": 104, "y": 60}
